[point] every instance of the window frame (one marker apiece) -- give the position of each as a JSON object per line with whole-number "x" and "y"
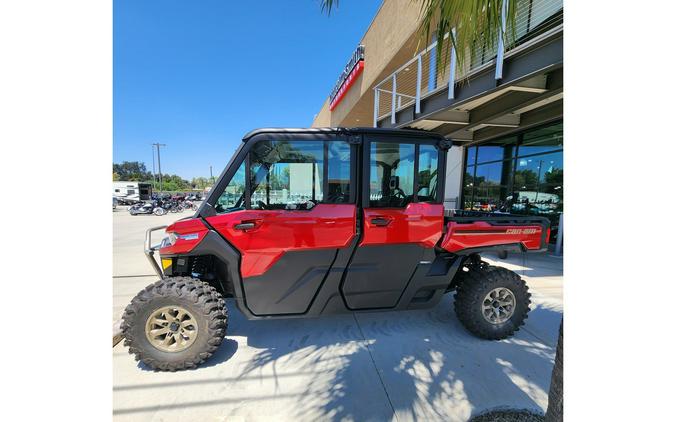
{"x": 324, "y": 183}
{"x": 416, "y": 142}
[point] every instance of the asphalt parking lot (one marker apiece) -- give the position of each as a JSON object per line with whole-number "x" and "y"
{"x": 405, "y": 366}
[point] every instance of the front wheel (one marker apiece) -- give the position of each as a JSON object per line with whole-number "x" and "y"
{"x": 176, "y": 323}
{"x": 491, "y": 302}
{"x": 159, "y": 211}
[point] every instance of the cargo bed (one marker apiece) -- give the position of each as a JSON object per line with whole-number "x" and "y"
{"x": 468, "y": 232}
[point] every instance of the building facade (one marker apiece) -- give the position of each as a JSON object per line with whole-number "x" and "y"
{"x": 502, "y": 108}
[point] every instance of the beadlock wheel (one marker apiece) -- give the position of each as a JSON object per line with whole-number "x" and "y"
{"x": 491, "y": 302}
{"x": 175, "y": 323}
{"x": 499, "y": 305}
{"x": 171, "y": 329}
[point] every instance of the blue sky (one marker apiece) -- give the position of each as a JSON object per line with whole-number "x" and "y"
{"x": 197, "y": 75}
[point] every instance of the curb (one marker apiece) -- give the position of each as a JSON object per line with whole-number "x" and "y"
{"x": 117, "y": 332}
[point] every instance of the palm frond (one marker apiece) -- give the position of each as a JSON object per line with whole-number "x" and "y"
{"x": 328, "y": 5}
{"x": 475, "y": 23}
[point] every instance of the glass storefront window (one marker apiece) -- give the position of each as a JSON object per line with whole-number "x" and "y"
{"x": 467, "y": 189}
{"x": 521, "y": 174}
{"x": 489, "y": 174}
{"x": 471, "y": 156}
{"x": 534, "y": 170}
{"x": 497, "y": 150}
{"x": 542, "y": 140}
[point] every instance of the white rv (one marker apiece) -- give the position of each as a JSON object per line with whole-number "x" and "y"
{"x": 131, "y": 192}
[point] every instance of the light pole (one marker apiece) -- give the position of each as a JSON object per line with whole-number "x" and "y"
{"x": 159, "y": 165}
{"x": 211, "y": 171}
{"x": 154, "y": 176}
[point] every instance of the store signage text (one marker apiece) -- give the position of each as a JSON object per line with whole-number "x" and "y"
{"x": 347, "y": 77}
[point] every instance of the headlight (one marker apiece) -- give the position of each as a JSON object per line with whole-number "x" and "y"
{"x": 169, "y": 240}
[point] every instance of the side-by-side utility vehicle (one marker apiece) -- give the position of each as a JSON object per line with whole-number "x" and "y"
{"x": 310, "y": 222}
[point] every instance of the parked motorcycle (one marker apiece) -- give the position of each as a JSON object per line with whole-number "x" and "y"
{"x": 151, "y": 207}
{"x": 190, "y": 205}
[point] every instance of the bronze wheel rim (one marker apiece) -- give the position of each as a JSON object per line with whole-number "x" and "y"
{"x": 171, "y": 329}
{"x": 499, "y": 305}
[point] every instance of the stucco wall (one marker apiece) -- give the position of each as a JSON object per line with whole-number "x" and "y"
{"x": 386, "y": 43}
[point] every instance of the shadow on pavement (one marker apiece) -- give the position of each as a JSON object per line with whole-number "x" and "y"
{"x": 225, "y": 351}
{"x": 422, "y": 365}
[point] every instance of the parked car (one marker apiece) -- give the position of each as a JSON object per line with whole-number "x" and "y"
{"x": 296, "y": 239}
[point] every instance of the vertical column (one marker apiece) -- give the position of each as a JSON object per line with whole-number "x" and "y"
{"x": 393, "y": 99}
{"x": 453, "y": 65}
{"x": 376, "y": 111}
{"x": 499, "y": 65}
{"x": 418, "y": 93}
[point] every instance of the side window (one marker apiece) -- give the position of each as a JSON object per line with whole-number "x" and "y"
{"x": 286, "y": 174}
{"x": 392, "y": 169}
{"x": 427, "y": 175}
{"x": 339, "y": 172}
{"x": 232, "y": 197}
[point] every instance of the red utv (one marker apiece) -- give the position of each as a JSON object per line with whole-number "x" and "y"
{"x": 310, "y": 222}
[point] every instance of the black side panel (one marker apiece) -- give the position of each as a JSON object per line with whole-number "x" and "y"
{"x": 378, "y": 275}
{"x": 291, "y": 284}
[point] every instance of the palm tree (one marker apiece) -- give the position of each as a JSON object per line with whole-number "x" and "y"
{"x": 469, "y": 23}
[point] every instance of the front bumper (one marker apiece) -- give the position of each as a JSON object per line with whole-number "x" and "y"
{"x": 150, "y": 250}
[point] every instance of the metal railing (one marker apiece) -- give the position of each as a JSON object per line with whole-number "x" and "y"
{"x": 418, "y": 78}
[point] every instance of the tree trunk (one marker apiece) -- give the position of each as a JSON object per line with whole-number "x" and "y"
{"x": 554, "y": 413}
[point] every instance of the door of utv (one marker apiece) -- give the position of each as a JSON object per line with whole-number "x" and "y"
{"x": 402, "y": 218}
{"x": 299, "y": 213}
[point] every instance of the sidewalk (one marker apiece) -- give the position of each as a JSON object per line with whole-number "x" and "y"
{"x": 413, "y": 365}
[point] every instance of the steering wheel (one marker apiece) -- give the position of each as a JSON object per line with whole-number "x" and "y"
{"x": 262, "y": 205}
{"x": 399, "y": 194}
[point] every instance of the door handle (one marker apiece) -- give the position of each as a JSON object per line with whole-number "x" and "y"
{"x": 380, "y": 221}
{"x": 244, "y": 226}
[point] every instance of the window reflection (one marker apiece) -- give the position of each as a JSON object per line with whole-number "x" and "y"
{"x": 497, "y": 150}
{"x": 529, "y": 182}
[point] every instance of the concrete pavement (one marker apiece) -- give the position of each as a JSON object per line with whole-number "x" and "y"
{"x": 413, "y": 365}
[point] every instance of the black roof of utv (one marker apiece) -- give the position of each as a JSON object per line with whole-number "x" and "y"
{"x": 345, "y": 131}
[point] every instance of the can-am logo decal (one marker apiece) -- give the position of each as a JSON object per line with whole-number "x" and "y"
{"x": 351, "y": 71}
{"x": 522, "y": 231}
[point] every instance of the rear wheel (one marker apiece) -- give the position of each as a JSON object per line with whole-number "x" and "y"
{"x": 491, "y": 302}
{"x": 175, "y": 323}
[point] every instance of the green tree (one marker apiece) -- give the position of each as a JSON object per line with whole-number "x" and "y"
{"x": 133, "y": 171}
{"x": 525, "y": 179}
{"x": 116, "y": 177}
{"x": 200, "y": 182}
{"x": 174, "y": 183}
